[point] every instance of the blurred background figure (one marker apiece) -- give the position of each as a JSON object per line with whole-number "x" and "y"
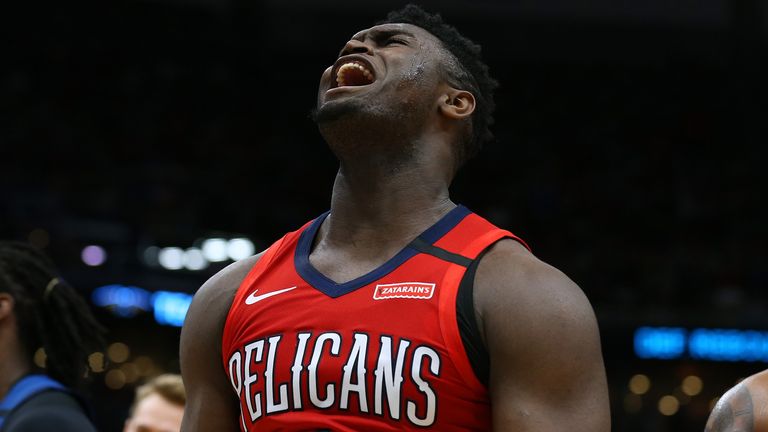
{"x": 159, "y": 406}
{"x": 41, "y": 316}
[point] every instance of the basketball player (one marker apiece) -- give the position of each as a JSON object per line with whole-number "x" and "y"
{"x": 397, "y": 310}
{"x": 159, "y": 406}
{"x": 744, "y": 408}
{"x": 38, "y": 309}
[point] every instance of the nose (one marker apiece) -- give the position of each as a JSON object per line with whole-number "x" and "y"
{"x": 355, "y": 46}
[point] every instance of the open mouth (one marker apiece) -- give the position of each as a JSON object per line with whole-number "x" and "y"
{"x": 354, "y": 74}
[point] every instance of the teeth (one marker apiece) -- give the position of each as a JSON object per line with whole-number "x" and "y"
{"x": 346, "y": 66}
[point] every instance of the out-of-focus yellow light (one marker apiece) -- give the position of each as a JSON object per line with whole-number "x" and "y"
{"x": 96, "y": 362}
{"x": 668, "y": 405}
{"x": 118, "y": 352}
{"x": 40, "y": 358}
{"x": 692, "y": 385}
{"x": 639, "y": 384}
{"x": 145, "y": 365}
{"x": 131, "y": 372}
{"x": 633, "y": 403}
{"x": 115, "y": 379}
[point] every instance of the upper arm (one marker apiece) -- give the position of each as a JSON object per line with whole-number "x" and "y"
{"x": 547, "y": 370}
{"x": 211, "y": 403}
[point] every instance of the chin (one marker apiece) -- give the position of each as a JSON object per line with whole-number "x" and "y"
{"x": 332, "y": 111}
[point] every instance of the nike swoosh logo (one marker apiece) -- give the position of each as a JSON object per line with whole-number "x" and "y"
{"x": 253, "y": 298}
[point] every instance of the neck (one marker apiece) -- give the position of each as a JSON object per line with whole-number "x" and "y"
{"x": 12, "y": 368}
{"x": 390, "y": 203}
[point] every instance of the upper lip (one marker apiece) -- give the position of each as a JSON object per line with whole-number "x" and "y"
{"x": 352, "y": 58}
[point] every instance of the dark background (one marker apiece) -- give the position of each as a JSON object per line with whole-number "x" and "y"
{"x": 630, "y": 153}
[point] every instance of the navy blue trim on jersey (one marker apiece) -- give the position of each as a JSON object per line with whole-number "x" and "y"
{"x": 441, "y": 253}
{"x": 24, "y": 389}
{"x": 332, "y": 289}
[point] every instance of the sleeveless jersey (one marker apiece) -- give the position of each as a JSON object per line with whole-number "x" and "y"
{"x": 382, "y": 352}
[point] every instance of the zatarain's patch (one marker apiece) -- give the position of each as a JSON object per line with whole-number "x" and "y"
{"x": 406, "y": 290}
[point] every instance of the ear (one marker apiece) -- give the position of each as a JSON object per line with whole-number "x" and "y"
{"x": 7, "y": 304}
{"x": 457, "y": 104}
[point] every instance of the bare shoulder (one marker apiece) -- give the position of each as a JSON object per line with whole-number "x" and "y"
{"x": 216, "y": 293}
{"x": 546, "y": 368}
{"x": 511, "y": 281}
{"x": 211, "y": 404}
{"x": 212, "y": 301}
{"x": 740, "y": 409}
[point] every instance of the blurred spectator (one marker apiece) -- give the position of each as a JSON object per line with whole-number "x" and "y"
{"x": 159, "y": 406}
{"x": 43, "y": 321}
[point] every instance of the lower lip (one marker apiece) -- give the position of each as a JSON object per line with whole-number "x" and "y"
{"x": 342, "y": 89}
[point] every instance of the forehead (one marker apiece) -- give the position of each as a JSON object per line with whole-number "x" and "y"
{"x": 388, "y": 29}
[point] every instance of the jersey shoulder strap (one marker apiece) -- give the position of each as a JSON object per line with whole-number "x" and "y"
{"x": 467, "y": 244}
{"x": 24, "y": 389}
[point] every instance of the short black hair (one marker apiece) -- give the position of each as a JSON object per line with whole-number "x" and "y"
{"x": 49, "y": 312}
{"x": 469, "y": 72}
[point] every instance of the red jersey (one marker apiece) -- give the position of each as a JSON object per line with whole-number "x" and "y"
{"x": 382, "y": 352}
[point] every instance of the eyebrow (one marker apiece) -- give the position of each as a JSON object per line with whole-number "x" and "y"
{"x": 380, "y": 34}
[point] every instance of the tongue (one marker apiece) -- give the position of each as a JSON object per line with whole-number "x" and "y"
{"x": 355, "y": 77}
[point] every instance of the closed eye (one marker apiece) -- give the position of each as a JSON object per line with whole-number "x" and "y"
{"x": 395, "y": 40}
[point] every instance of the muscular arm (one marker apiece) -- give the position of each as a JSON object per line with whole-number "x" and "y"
{"x": 547, "y": 370}
{"x": 211, "y": 406}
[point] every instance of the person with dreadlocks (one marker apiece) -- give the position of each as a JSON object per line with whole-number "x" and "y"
{"x": 397, "y": 310}
{"x": 39, "y": 310}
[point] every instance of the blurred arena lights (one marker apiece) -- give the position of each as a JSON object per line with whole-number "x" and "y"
{"x": 692, "y": 385}
{"x": 660, "y": 342}
{"x": 171, "y": 258}
{"x": 210, "y": 250}
{"x": 169, "y": 307}
{"x": 730, "y": 345}
{"x": 669, "y": 405}
{"x": 240, "y": 248}
{"x": 639, "y": 384}
{"x": 93, "y": 255}
{"x": 124, "y": 301}
{"x": 215, "y": 249}
{"x": 118, "y": 352}
{"x": 194, "y": 260}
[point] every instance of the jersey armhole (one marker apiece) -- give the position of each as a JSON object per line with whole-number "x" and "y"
{"x": 469, "y": 331}
{"x": 474, "y": 348}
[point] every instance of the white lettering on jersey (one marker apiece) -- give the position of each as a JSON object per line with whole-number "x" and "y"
{"x": 298, "y": 361}
{"x": 314, "y": 396}
{"x": 245, "y": 365}
{"x": 355, "y": 362}
{"x": 389, "y": 380}
{"x": 272, "y": 406}
{"x": 434, "y": 367}
{"x": 236, "y": 372}
{"x": 250, "y": 379}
